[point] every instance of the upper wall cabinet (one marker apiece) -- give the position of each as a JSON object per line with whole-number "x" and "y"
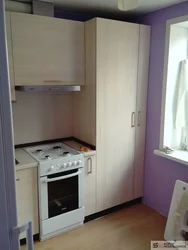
{"x": 10, "y": 59}
{"x": 47, "y": 51}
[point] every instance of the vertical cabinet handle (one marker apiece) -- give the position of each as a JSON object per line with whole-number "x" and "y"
{"x": 139, "y": 118}
{"x": 133, "y": 120}
{"x": 89, "y": 164}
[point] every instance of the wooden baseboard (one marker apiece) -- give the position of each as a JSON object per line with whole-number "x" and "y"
{"x": 111, "y": 210}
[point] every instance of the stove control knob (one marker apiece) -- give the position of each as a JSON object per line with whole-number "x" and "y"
{"x": 69, "y": 164}
{"x": 51, "y": 169}
{"x": 64, "y": 165}
{"x": 74, "y": 163}
{"x": 79, "y": 162}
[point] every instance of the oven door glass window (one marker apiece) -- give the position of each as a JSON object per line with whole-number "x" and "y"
{"x": 62, "y": 194}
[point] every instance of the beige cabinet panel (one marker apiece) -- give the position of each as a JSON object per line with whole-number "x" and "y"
{"x": 84, "y": 102}
{"x": 117, "y": 57}
{"x": 10, "y": 59}
{"x": 110, "y": 106}
{"x": 27, "y": 198}
{"x": 143, "y": 68}
{"x": 47, "y": 51}
{"x": 90, "y": 185}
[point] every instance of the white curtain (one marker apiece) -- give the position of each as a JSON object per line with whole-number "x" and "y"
{"x": 181, "y": 116}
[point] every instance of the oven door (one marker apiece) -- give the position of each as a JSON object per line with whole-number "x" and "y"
{"x": 61, "y": 193}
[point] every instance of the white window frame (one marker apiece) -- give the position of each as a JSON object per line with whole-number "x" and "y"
{"x": 178, "y": 156}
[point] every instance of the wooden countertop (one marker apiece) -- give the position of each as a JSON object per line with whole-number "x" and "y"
{"x": 24, "y": 159}
{"x": 77, "y": 146}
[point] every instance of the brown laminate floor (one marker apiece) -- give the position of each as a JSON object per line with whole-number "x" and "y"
{"x": 129, "y": 229}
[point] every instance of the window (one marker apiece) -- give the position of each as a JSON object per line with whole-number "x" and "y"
{"x": 174, "y": 118}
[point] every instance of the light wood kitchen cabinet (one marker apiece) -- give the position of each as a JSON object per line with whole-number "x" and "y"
{"x": 84, "y": 102}
{"x": 47, "y": 51}
{"x": 10, "y": 59}
{"x": 116, "y": 58}
{"x": 90, "y": 185}
{"x": 141, "y": 107}
{"x": 27, "y": 198}
{"x": 109, "y": 107}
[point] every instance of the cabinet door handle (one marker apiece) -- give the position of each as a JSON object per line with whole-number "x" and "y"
{"x": 17, "y": 179}
{"x": 89, "y": 162}
{"x": 133, "y": 120}
{"x": 139, "y": 118}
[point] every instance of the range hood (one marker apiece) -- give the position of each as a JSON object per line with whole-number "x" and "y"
{"x": 47, "y": 88}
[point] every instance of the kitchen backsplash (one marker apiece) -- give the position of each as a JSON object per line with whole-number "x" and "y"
{"x": 41, "y": 116}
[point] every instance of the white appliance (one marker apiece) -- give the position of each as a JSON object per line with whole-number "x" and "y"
{"x": 176, "y": 230}
{"x": 61, "y": 191}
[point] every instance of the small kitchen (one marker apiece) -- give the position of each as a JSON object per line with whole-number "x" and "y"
{"x": 79, "y": 95}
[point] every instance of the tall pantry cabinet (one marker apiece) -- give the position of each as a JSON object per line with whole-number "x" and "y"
{"x": 110, "y": 111}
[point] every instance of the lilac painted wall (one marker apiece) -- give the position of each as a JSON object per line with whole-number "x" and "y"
{"x": 160, "y": 173}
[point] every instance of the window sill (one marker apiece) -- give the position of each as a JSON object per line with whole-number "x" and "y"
{"x": 178, "y": 156}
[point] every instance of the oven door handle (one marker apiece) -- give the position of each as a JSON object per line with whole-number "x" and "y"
{"x": 63, "y": 177}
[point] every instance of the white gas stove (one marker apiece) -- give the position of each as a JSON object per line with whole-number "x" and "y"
{"x": 61, "y": 193}
{"x": 56, "y": 157}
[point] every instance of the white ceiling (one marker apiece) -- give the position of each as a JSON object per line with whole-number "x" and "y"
{"x": 111, "y": 5}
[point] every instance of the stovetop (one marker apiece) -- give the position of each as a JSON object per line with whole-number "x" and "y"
{"x": 49, "y": 152}
{"x": 56, "y": 157}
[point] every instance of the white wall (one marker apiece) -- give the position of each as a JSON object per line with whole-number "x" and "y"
{"x": 177, "y": 52}
{"x": 41, "y": 116}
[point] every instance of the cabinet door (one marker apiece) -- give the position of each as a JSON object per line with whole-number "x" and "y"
{"x": 117, "y": 58}
{"x": 143, "y": 65}
{"x": 10, "y": 59}
{"x": 90, "y": 185}
{"x": 47, "y": 51}
{"x": 27, "y": 198}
